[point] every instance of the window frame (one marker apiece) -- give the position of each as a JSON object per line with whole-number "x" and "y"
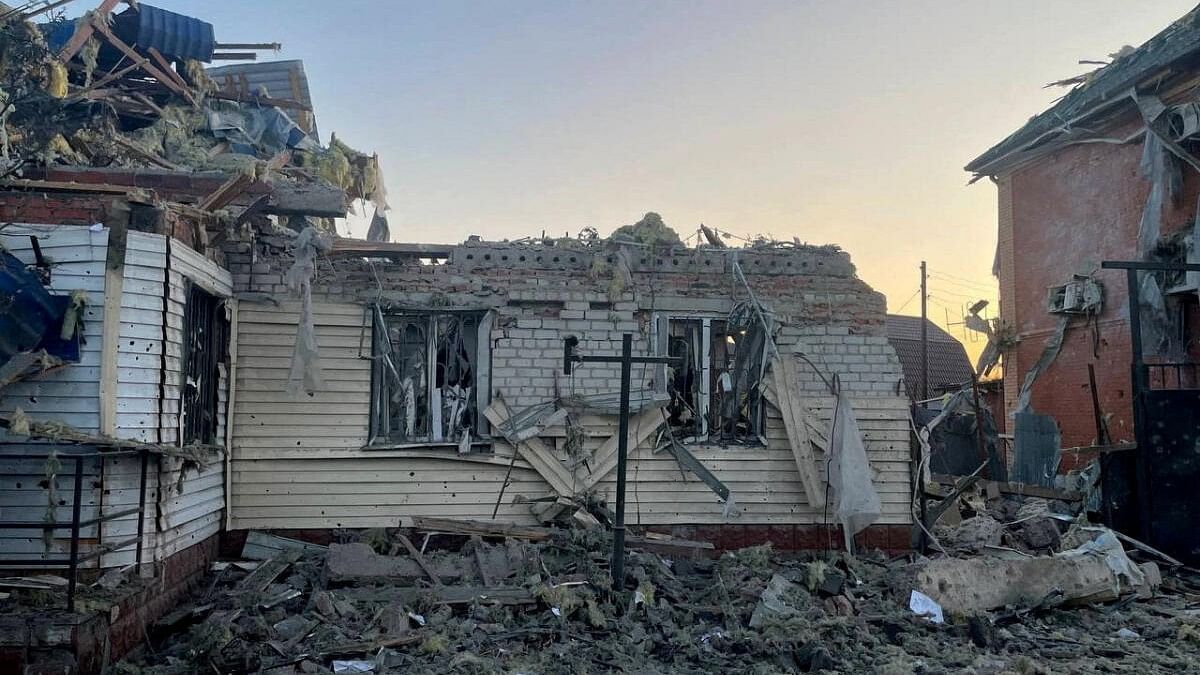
{"x": 480, "y": 437}
{"x": 204, "y": 344}
{"x": 661, "y": 332}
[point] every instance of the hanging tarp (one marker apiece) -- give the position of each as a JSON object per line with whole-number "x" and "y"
{"x": 855, "y": 501}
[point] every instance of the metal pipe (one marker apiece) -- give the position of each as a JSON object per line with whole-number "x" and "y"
{"x": 141, "y": 509}
{"x": 273, "y": 46}
{"x": 618, "y": 555}
{"x": 74, "y": 560}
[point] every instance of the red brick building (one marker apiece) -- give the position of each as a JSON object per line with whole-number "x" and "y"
{"x": 1074, "y": 186}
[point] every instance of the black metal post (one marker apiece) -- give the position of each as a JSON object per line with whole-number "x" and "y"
{"x": 924, "y": 340}
{"x": 75, "y": 508}
{"x": 145, "y": 455}
{"x": 979, "y": 440}
{"x": 626, "y": 359}
{"x": 618, "y": 556}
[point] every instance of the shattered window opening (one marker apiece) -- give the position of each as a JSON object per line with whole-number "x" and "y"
{"x": 206, "y": 340}
{"x": 714, "y": 391}
{"x": 425, "y": 378}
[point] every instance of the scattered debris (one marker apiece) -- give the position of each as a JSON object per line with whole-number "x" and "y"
{"x": 538, "y": 600}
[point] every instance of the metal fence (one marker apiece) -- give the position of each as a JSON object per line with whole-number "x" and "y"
{"x": 74, "y": 558}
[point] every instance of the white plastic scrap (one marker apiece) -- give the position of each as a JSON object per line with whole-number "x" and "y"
{"x": 1128, "y": 634}
{"x": 353, "y": 666}
{"x": 925, "y": 606}
{"x": 418, "y": 618}
{"x": 1107, "y": 546}
{"x": 305, "y": 372}
{"x": 856, "y": 502}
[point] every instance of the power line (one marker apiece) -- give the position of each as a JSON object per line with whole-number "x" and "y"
{"x": 906, "y": 302}
{"x": 981, "y": 290}
{"x": 961, "y": 281}
{"x": 947, "y": 291}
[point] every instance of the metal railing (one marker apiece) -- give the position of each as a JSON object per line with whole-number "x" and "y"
{"x": 74, "y": 559}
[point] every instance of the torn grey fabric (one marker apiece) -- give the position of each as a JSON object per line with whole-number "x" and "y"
{"x": 268, "y": 129}
{"x": 1156, "y": 337}
{"x": 379, "y": 229}
{"x": 1159, "y": 167}
{"x": 1049, "y": 353}
{"x": 305, "y": 373}
{"x": 856, "y": 502}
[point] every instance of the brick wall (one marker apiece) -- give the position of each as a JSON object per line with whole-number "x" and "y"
{"x": 58, "y": 208}
{"x": 46, "y": 641}
{"x": 542, "y": 293}
{"x": 1070, "y": 211}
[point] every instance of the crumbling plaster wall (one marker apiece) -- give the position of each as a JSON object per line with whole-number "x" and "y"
{"x": 1071, "y": 210}
{"x": 300, "y": 463}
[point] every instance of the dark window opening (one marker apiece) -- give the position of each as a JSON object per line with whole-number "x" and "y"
{"x": 426, "y": 378}
{"x": 205, "y": 342}
{"x": 714, "y": 390}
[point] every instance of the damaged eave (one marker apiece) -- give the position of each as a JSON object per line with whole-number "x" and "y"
{"x": 315, "y": 198}
{"x": 1170, "y": 54}
{"x": 390, "y": 249}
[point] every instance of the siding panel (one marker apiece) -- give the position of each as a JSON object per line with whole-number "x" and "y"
{"x": 299, "y": 462}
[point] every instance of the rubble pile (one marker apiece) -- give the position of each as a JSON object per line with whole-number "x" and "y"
{"x": 540, "y": 600}
{"x": 73, "y": 93}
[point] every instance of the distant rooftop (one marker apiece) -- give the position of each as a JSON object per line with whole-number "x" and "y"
{"x": 949, "y": 367}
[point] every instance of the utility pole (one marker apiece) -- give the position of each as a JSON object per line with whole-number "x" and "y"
{"x": 924, "y": 339}
{"x": 626, "y": 359}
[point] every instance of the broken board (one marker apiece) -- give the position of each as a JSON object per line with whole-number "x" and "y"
{"x": 785, "y": 396}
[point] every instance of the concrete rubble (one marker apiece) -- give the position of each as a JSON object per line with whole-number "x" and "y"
{"x": 540, "y": 600}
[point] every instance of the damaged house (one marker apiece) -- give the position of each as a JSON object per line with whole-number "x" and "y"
{"x": 432, "y": 384}
{"x": 1108, "y": 173}
{"x": 123, "y": 169}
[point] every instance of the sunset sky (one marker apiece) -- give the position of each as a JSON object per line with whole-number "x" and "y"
{"x": 844, "y": 123}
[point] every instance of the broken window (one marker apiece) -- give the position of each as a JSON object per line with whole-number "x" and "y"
{"x": 714, "y": 389}
{"x": 206, "y": 339}
{"x": 430, "y": 368}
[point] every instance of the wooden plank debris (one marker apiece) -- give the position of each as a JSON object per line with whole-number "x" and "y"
{"x": 484, "y": 528}
{"x": 258, "y": 580}
{"x": 641, "y": 427}
{"x": 84, "y": 31}
{"x": 688, "y": 461}
{"x": 98, "y": 24}
{"x": 785, "y": 396}
{"x": 659, "y": 543}
{"x": 263, "y": 546}
{"x": 534, "y": 451}
{"x": 412, "y": 551}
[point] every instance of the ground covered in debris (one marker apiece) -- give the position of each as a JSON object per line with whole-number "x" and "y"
{"x": 507, "y": 605}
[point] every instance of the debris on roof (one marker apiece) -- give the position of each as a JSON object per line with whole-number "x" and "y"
{"x": 127, "y": 90}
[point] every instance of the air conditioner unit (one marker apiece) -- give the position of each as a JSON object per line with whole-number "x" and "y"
{"x": 1081, "y": 295}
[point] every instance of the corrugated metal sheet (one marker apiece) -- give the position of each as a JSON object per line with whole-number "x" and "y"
{"x": 175, "y": 35}
{"x": 282, "y": 80}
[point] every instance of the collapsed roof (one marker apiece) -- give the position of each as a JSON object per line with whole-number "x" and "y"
{"x": 128, "y": 92}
